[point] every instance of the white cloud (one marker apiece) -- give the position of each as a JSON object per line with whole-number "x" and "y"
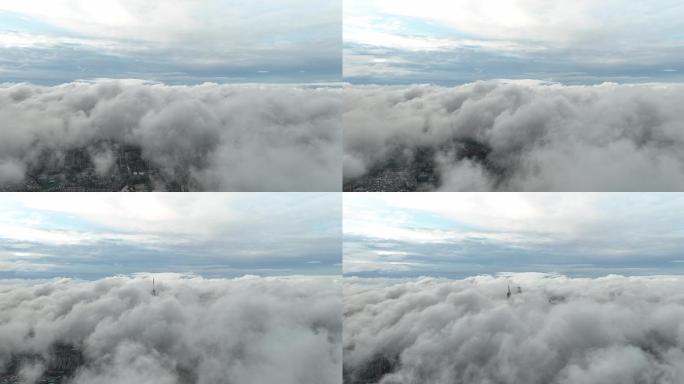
{"x": 213, "y": 234}
{"x": 464, "y": 233}
{"x": 207, "y": 214}
{"x": 175, "y": 20}
{"x": 509, "y": 217}
{"x": 150, "y": 213}
{"x": 179, "y": 41}
{"x": 563, "y": 213}
{"x": 108, "y": 17}
{"x": 454, "y": 41}
{"x": 586, "y": 21}
{"x": 384, "y": 39}
{"x": 536, "y": 20}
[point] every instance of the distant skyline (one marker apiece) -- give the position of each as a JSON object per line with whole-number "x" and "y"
{"x": 174, "y": 41}
{"x": 94, "y": 235}
{"x": 461, "y": 41}
{"x": 464, "y": 234}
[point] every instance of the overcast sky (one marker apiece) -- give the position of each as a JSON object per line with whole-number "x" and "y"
{"x": 174, "y": 41}
{"x": 210, "y": 234}
{"x": 452, "y": 42}
{"x": 465, "y": 234}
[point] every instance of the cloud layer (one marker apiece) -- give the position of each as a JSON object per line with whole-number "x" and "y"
{"x": 247, "y": 330}
{"x": 209, "y": 137}
{"x": 461, "y": 234}
{"x": 96, "y": 235}
{"x": 522, "y": 136}
{"x": 178, "y": 41}
{"x": 556, "y": 330}
{"x": 583, "y": 42}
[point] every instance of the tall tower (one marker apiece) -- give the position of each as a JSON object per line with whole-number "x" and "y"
{"x": 508, "y": 295}
{"x": 154, "y": 291}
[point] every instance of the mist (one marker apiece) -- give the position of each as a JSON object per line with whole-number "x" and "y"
{"x": 514, "y": 136}
{"x": 208, "y": 137}
{"x": 553, "y": 329}
{"x": 194, "y": 330}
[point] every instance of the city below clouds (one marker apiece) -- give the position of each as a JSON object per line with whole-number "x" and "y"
{"x": 92, "y": 236}
{"x": 455, "y": 42}
{"x": 465, "y": 234}
{"x": 514, "y": 136}
{"x": 175, "y": 42}
{"x": 550, "y": 330}
{"x": 191, "y": 330}
{"x": 209, "y": 137}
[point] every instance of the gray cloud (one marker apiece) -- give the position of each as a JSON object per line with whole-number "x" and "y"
{"x": 11, "y": 171}
{"x": 519, "y": 136}
{"x": 557, "y": 330}
{"x": 212, "y": 137}
{"x": 247, "y": 330}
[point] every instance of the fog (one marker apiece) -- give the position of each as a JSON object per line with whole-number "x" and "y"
{"x": 245, "y": 330}
{"x": 208, "y": 137}
{"x": 522, "y": 136}
{"x": 555, "y": 330}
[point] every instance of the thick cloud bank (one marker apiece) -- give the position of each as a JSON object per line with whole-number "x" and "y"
{"x": 206, "y": 137}
{"x": 247, "y": 330}
{"x": 556, "y": 330}
{"x": 514, "y": 136}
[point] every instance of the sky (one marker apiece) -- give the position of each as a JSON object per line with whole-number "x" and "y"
{"x": 174, "y": 41}
{"x": 95, "y": 235}
{"x": 466, "y": 234}
{"x": 460, "y": 41}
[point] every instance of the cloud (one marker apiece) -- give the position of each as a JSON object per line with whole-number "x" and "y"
{"x": 210, "y": 214}
{"x": 537, "y": 21}
{"x": 180, "y": 41}
{"x": 138, "y": 20}
{"x": 466, "y": 233}
{"x": 207, "y": 137}
{"x": 557, "y": 330}
{"x": 11, "y": 171}
{"x": 524, "y": 136}
{"x": 513, "y": 20}
{"x": 212, "y": 234}
{"x": 539, "y": 213}
{"x": 256, "y": 330}
{"x": 454, "y": 42}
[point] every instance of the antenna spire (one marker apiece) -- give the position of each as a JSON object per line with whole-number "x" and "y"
{"x": 154, "y": 291}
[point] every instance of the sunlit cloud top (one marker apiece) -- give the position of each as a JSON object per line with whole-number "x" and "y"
{"x": 209, "y": 234}
{"x": 174, "y": 41}
{"x": 586, "y": 41}
{"x": 465, "y": 234}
